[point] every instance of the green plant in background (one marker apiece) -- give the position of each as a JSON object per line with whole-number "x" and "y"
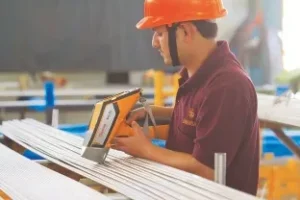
{"x": 291, "y": 78}
{"x": 265, "y": 91}
{"x": 287, "y": 77}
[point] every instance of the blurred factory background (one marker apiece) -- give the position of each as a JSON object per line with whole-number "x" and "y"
{"x": 91, "y": 49}
{"x": 94, "y": 43}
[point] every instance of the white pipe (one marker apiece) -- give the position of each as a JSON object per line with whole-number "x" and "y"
{"x": 55, "y": 116}
{"x": 220, "y": 168}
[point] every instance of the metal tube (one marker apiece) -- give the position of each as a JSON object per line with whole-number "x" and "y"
{"x": 55, "y": 121}
{"x": 220, "y": 168}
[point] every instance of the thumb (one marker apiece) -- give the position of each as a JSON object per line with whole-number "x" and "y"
{"x": 129, "y": 118}
{"x": 136, "y": 127}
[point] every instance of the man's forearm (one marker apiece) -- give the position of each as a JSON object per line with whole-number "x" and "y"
{"x": 161, "y": 111}
{"x": 182, "y": 161}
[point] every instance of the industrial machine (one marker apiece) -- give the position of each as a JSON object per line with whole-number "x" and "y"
{"x": 109, "y": 120}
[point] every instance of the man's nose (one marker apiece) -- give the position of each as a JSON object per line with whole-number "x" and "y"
{"x": 155, "y": 43}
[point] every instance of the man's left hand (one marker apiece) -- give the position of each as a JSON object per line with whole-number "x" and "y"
{"x": 137, "y": 145}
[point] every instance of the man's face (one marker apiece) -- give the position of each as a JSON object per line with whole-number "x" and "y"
{"x": 160, "y": 42}
{"x": 185, "y": 35}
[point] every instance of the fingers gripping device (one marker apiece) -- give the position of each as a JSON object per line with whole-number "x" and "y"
{"x": 109, "y": 120}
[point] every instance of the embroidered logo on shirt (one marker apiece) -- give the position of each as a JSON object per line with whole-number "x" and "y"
{"x": 190, "y": 120}
{"x": 191, "y": 113}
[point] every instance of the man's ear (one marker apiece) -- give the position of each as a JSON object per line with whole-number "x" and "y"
{"x": 188, "y": 30}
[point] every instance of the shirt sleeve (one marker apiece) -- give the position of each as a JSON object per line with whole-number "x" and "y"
{"x": 221, "y": 124}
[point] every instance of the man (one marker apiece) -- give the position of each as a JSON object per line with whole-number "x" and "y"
{"x": 216, "y": 103}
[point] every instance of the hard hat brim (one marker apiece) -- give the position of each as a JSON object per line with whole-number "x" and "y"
{"x": 150, "y": 22}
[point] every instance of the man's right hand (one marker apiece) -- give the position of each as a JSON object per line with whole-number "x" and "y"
{"x": 137, "y": 114}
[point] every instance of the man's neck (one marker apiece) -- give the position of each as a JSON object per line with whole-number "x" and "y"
{"x": 198, "y": 57}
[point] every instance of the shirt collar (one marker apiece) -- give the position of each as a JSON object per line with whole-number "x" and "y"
{"x": 208, "y": 67}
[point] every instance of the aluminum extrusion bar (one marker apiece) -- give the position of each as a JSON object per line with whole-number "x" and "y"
{"x": 58, "y": 103}
{"x": 24, "y": 179}
{"x": 105, "y": 91}
{"x": 133, "y": 177}
{"x": 282, "y": 113}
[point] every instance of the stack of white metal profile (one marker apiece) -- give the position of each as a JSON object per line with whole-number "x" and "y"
{"x": 132, "y": 177}
{"x": 23, "y": 179}
{"x": 285, "y": 112}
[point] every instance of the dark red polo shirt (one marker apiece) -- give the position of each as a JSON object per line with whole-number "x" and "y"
{"x": 216, "y": 111}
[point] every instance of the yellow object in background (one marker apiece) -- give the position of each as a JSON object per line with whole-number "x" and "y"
{"x": 281, "y": 181}
{"x": 59, "y": 81}
{"x": 160, "y": 94}
{"x": 24, "y": 82}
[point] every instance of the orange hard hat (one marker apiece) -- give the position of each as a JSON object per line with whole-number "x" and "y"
{"x": 165, "y": 12}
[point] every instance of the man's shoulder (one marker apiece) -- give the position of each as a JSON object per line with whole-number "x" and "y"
{"x": 232, "y": 76}
{"x": 231, "y": 80}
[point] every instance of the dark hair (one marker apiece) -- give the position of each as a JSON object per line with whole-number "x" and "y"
{"x": 207, "y": 29}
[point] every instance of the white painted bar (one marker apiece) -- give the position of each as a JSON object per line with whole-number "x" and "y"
{"x": 105, "y": 91}
{"x": 21, "y": 178}
{"x": 135, "y": 178}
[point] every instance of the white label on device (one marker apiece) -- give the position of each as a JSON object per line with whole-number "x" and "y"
{"x": 105, "y": 124}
